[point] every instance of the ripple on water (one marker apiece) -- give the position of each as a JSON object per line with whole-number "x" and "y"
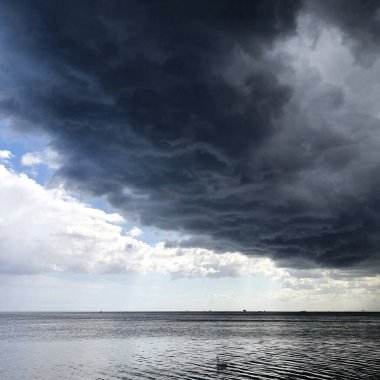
{"x": 185, "y": 345}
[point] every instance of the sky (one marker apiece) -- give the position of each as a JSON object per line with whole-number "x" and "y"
{"x": 196, "y": 155}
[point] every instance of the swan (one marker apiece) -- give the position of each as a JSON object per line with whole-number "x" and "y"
{"x": 219, "y": 364}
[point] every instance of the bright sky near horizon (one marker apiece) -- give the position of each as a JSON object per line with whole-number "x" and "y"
{"x": 141, "y": 172}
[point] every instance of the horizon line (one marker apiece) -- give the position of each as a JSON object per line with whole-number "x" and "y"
{"x": 243, "y": 311}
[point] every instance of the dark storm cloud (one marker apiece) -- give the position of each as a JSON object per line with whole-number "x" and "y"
{"x": 360, "y": 22}
{"x": 153, "y": 104}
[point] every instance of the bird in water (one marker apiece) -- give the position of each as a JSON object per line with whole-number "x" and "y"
{"x": 219, "y": 364}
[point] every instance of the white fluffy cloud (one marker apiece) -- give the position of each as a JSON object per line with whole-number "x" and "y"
{"x": 5, "y": 155}
{"x": 135, "y": 231}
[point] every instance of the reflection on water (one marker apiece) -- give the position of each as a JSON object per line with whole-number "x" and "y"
{"x": 185, "y": 345}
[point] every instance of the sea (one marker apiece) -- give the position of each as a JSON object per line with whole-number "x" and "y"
{"x": 184, "y": 345}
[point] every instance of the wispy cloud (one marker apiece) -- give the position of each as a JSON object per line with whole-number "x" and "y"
{"x": 46, "y": 157}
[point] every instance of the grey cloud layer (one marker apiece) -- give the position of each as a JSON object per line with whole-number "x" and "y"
{"x": 182, "y": 114}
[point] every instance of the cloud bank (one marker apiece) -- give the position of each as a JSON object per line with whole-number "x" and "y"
{"x": 205, "y": 118}
{"x": 47, "y": 232}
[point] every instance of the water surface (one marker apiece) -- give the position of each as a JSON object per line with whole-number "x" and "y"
{"x": 184, "y": 345}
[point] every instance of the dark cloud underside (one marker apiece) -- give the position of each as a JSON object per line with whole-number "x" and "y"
{"x": 150, "y": 103}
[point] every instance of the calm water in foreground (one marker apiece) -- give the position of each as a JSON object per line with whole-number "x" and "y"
{"x": 184, "y": 345}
